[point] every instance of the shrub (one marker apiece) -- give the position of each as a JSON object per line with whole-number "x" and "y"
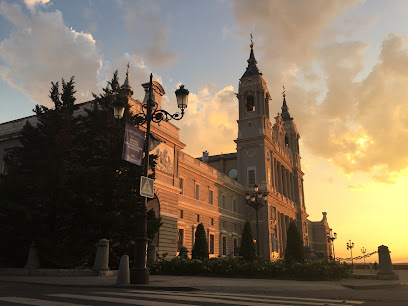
{"x": 247, "y": 249}
{"x": 294, "y": 245}
{"x": 259, "y": 268}
{"x": 200, "y": 248}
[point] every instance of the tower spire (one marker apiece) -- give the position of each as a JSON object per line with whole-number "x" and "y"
{"x": 252, "y": 68}
{"x": 285, "y": 109}
{"x": 126, "y": 86}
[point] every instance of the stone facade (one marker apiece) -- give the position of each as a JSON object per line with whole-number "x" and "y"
{"x": 211, "y": 190}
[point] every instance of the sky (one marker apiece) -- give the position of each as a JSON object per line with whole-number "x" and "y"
{"x": 344, "y": 65}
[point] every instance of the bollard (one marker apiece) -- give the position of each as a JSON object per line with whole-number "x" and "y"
{"x": 386, "y": 269}
{"x": 33, "y": 262}
{"x": 102, "y": 256}
{"x": 183, "y": 252}
{"x": 151, "y": 254}
{"x": 123, "y": 273}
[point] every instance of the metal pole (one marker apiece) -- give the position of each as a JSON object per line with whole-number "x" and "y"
{"x": 334, "y": 253}
{"x": 139, "y": 274}
{"x": 257, "y": 230}
{"x": 352, "y": 262}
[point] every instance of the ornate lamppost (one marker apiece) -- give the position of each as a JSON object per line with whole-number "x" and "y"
{"x": 350, "y": 246}
{"x": 139, "y": 274}
{"x": 330, "y": 238}
{"x": 364, "y": 250}
{"x": 257, "y": 200}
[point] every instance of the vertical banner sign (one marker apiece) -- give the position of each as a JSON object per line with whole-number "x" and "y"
{"x": 133, "y": 145}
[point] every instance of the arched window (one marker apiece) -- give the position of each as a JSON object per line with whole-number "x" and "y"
{"x": 286, "y": 140}
{"x": 250, "y": 104}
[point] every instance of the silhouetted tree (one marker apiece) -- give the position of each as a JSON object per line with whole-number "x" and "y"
{"x": 294, "y": 245}
{"x": 200, "y": 248}
{"x": 66, "y": 187}
{"x": 247, "y": 249}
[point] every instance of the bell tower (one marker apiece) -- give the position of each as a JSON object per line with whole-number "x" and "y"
{"x": 254, "y": 126}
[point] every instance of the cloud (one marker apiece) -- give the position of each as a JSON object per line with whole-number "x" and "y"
{"x": 356, "y": 187}
{"x": 365, "y": 123}
{"x": 359, "y": 125}
{"x": 41, "y": 49}
{"x": 146, "y": 25}
{"x": 210, "y": 120}
{"x": 32, "y": 3}
{"x": 139, "y": 73}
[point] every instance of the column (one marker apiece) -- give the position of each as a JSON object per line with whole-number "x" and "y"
{"x": 280, "y": 234}
{"x": 280, "y": 179}
{"x": 273, "y": 171}
{"x": 285, "y": 182}
{"x": 284, "y": 228}
{"x": 293, "y": 188}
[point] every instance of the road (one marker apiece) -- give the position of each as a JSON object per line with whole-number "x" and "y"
{"x": 12, "y": 293}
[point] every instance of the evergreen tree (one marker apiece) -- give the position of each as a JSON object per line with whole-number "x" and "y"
{"x": 67, "y": 187}
{"x": 247, "y": 249}
{"x": 36, "y": 183}
{"x": 294, "y": 245}
{"x": 200, "y": 249}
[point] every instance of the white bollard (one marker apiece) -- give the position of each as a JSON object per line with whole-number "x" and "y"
{"x": 123, "y": 273}
{"x": 102, "y": 256}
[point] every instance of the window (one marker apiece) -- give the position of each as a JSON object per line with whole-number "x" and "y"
{"x": 181, "y": 214}
{"x": 197, "y": 192}
{"x": 224, "y": 245}
{"x": 251, "y": 176}
{"x": 212, "y": 244}
{"x": 235, "y": 227}
{"x": 181, "y": 185}
{"x": 180, "y": 238}
{"x": 198, "y": 218}
{"x": 234, "y": 205}
{"x": 250, "y": 104}
{"x": 212, "y": 221}
{"x": 223, "y": 201}
{"x": 210, "y": 196}
{"x": 235, "y": 246}
{"x": 224, "y": 224}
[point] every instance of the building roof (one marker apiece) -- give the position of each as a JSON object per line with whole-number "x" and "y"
{"x": 220, "y": 156}
{"x": 252, "y": 68}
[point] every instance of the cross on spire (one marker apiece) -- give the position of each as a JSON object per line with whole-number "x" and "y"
{"x": 127, "y": 71}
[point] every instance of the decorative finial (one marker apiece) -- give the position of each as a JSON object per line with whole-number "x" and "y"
{"x": 252, "y": 43}
{"x": 284, "y": 91}
{"x": 127, "y": 71}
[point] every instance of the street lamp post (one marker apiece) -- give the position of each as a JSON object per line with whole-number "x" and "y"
{"x": 364, "y": 250}
{"x": 350, "y": 246}
{"x": 139, "y": 274}
{"x": 257, "y": 200}
{"x": 330, "y": 238}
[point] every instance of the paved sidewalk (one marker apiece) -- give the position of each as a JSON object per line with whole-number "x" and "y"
{"x": 206, "y": 283}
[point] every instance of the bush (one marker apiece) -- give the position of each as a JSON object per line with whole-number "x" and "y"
{"x": 247, "y": 249}
{"x": 294, "y": 245}
{"x": 259, "y": 268}
{"x": 200, "y": 248}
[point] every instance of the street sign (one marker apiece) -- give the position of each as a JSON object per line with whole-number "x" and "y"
{"x": 146, "y": 187}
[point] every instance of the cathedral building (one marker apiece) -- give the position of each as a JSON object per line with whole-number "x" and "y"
{"x": 211, "y": 189}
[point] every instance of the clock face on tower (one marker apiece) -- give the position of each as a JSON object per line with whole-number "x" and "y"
{"x": 233, "y": 173}
{"x": 251, "y": 152}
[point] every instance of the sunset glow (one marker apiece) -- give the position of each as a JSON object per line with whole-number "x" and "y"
{"x": 344, "y": 65}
